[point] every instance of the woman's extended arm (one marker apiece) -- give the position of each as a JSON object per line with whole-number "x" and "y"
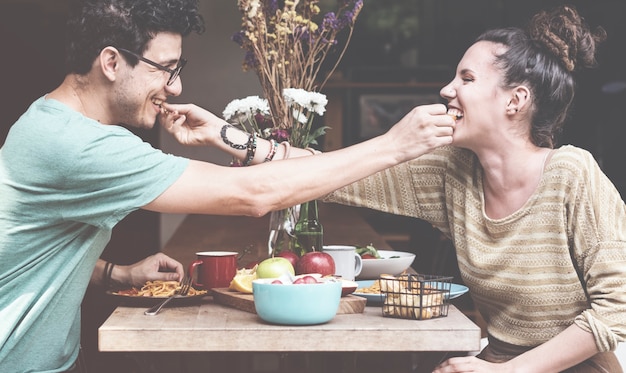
{"x": 212, "y": 189}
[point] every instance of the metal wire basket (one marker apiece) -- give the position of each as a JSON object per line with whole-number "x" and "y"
{"x": 415, "y": 296}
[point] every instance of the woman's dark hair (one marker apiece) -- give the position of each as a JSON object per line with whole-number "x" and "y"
{"x": 128, "y": 24}
{"x": 543, "y": 58}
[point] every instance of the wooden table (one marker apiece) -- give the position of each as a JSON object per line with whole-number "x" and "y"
{"x": 214, "y": 330}
{"x": 210, "y": 326}
{"x": 343, "y": 225}
{"x": 232, "y": 340}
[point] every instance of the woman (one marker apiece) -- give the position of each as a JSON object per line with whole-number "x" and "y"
{"x": 540, "y": 233}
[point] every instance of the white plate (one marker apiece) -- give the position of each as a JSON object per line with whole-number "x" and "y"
{"x": 391, "y": 263}
{"x": 456, "y": 291}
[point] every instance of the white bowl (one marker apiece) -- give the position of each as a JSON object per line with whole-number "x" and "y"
{"x": 391, "y": 263}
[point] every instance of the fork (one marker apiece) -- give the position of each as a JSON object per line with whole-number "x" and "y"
{"x": 184, "y": 289}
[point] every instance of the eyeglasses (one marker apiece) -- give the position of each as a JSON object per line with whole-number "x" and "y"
{"x": 174, "y": 73}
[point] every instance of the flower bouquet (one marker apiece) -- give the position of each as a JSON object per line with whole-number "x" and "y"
{"x": 286, "y": 43}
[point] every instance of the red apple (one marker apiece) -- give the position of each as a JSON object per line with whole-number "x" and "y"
{"x": 306, "y": 280}
{"x": 316, "y": 262}
{"x": 276, "y": 282}
{"x": 289, "y": 255}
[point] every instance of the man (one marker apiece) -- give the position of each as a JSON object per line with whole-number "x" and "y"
{"x": 70, "y": 170}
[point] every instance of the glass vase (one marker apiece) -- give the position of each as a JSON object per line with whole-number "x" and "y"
{"x": 282, "y": 225}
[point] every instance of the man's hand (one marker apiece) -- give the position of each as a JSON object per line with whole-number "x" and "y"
{"x": 155, "y": 267}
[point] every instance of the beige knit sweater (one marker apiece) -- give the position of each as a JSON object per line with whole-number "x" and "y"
{"x": 560, "y": 259}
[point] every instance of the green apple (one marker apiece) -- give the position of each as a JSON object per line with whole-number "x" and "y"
{"x": 274, "y": 268}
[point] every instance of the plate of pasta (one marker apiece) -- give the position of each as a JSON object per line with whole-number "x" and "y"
{"x": 155, "y": 291}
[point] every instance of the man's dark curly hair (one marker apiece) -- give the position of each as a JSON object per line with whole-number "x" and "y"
{"x": 129, "y": 24}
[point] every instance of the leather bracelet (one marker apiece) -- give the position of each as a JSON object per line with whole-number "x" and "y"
{"x": 230, "y": 143}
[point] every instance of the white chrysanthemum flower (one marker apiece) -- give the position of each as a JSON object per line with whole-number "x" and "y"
{"x": 299, "y": 116}
{"x": 312, "y": 101}
{"x": 318, "y": 103}
{"x": 248, "y": 107}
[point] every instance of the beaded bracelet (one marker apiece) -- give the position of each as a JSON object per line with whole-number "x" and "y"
{"x": 272, "y": 153}
{"x": 230, "y": 143}
{"x": 250, "y": 149}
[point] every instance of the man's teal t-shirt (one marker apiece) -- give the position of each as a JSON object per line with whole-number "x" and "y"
{"x": 65, "y": 181}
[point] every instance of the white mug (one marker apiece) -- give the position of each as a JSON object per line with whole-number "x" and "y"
{"x": 348, "y": 263}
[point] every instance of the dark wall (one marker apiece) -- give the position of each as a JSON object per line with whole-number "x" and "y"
{"x": 448, "y": 27}
{"x": 31, "y": 35}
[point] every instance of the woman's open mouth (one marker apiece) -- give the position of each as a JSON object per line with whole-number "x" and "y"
{"x": 455, "y": 113}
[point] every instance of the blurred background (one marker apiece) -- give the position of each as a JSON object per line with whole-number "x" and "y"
{"x": 401, "y": 53}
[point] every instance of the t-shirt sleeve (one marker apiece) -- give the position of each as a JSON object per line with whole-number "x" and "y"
{"x": 111, "y": 173}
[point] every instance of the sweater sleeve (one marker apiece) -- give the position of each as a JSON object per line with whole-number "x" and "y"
{"x": 597, "y": 224}
{"x": 427, "y": 188}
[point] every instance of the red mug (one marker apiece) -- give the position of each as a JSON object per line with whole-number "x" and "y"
{"x": 216, "y": 269}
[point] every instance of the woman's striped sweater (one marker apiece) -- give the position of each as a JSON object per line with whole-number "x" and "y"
{"x": 559, "y": 259}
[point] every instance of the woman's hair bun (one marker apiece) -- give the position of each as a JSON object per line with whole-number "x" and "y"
{"x": 564, "y": 33}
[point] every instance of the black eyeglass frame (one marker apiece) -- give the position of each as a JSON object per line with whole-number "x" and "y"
{"x": 174, "y": 73}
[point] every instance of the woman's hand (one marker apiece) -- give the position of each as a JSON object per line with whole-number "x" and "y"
{"x": 466, "y": 364}
{"x": 421, "y": 131}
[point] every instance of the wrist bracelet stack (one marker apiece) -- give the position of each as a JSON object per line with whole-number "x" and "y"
{"x": 249, "y": 146}
{"x": 106, "y": 279}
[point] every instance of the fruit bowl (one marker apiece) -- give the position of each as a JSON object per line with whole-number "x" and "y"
{"x": 391, "y": 263}
{"x": 296, "y": 304}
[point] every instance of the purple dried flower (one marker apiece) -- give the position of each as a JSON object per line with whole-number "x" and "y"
{"x": 239, "y": 38}
{"x": 250, "y": 61}
{"x": 262, "y": 121}
{"x": 271, "y": 7}
{"x": 349, "y": 16}
{"x": 280, "y": 135}
{"x": 330, "y": 22}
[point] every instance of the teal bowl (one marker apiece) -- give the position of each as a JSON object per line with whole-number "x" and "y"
{"x": 296, "y": 304}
